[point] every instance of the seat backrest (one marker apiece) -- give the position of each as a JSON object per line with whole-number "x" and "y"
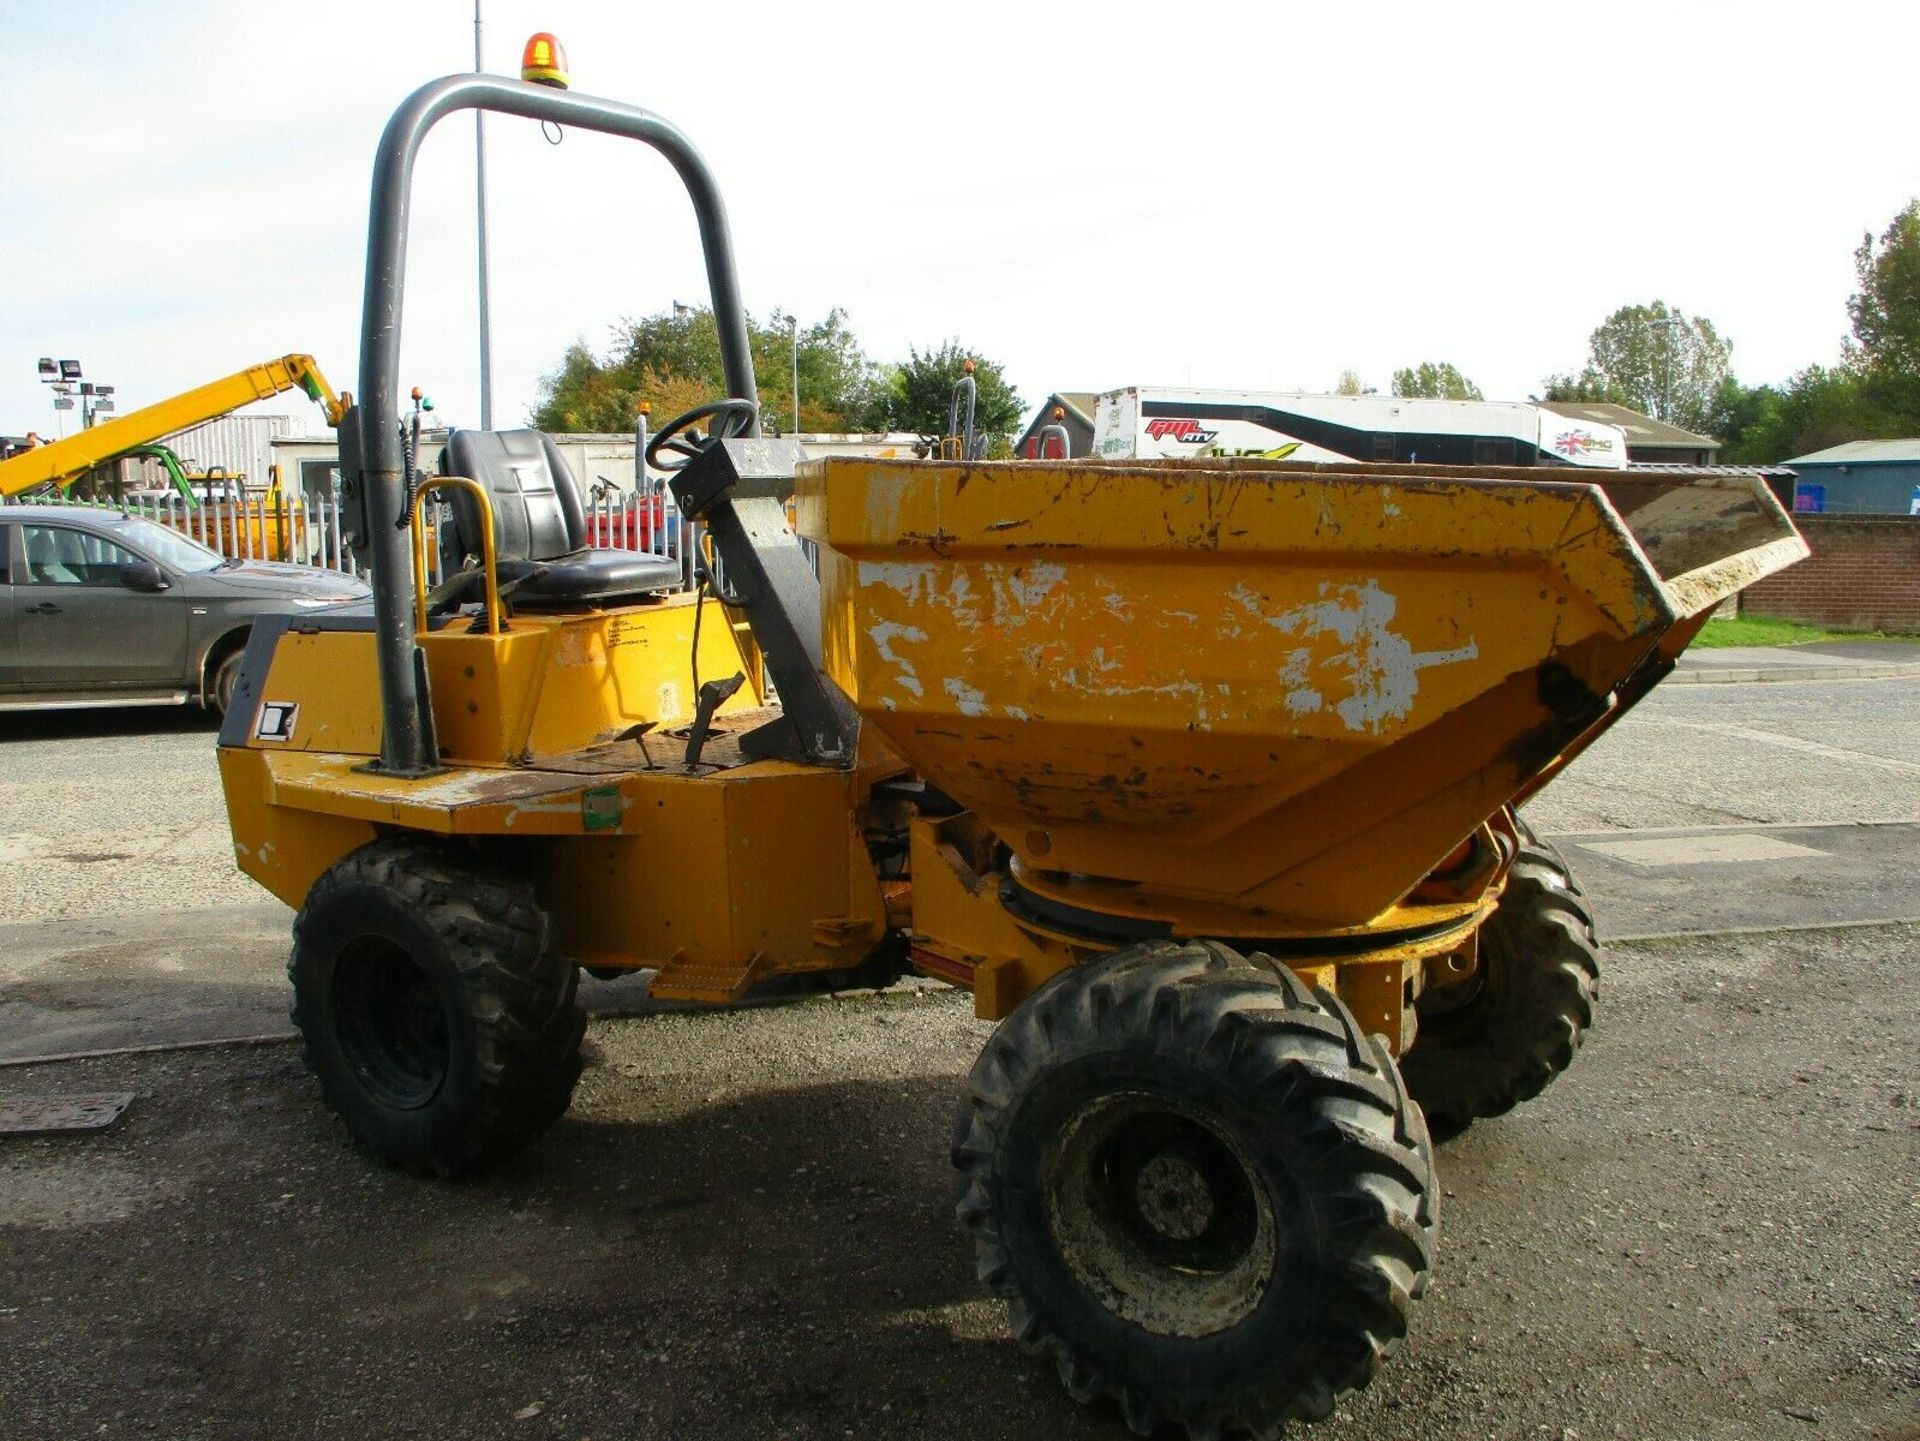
{"x": 536, "y": 503}
{"x": 45, "y": 565}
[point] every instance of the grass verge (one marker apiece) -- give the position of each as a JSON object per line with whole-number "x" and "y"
{"x": 1754, "y": 630}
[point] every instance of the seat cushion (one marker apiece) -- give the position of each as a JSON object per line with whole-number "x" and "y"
{"x": 587, "y": 577}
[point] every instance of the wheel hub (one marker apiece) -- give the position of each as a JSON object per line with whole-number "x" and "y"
{"x": 1156, "y": 1211}
{"x": 391, "y": 1023}
{"x": 1171, "y": 1196}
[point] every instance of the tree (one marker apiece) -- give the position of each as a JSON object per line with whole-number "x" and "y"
{"x": 1588, "y": 384}
{"x": 1884, "y": 350}
{"x": 1441, "y": 382}
{"x": 839, "y": 386}
{"x": 1350, "y": 383}
{"x": 918, "y": 396}
{"x": 1817, "y": 408}
{"x": 671, "y": 361}
{"x": 1653, "y": 359}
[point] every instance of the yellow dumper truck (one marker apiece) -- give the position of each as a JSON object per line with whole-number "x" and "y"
{"x": 1200, "y": 775}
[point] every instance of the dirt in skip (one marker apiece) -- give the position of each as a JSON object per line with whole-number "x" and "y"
{"x": 744, "y": 1228}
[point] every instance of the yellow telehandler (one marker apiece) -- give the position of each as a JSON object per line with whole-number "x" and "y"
{"x": 1200, "y": 775}
{"x": 57, "y": 464}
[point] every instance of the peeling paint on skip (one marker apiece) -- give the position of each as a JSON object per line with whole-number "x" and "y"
{"x": 884, "y": 634}
{"x": 969, "y": 701}
{"x": 1305, "y": 701}
{"x": 909, "y": 577}
{"x": 1038, "y": 581}
{"x": 1384, "y": 670}
{"x": 1244, "y": 596}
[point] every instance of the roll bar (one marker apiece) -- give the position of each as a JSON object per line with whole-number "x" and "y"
{"x": 407, "y": 743}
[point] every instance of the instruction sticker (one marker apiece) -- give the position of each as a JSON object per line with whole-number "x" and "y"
{"x": 600, "y": 808}
{"x": 275, "y": 721}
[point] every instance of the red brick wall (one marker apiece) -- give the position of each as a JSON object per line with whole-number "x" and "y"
{"x": 1864, "y": 574}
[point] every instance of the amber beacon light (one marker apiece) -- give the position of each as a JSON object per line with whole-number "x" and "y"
{"x": 544, "y": 61}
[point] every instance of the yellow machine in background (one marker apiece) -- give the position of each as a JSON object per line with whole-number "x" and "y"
{"x": 261, "y": 528}
{"x": 1200, "y": 775}
{"x": 59, "y": 463}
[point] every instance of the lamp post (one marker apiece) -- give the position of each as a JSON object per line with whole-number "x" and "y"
{"x": 62, "y": 376}
{"x": 94, "y": 399}
{"x": 480, "y": 193}
{"x": 794, "y": 322}
{"x": 1667, "y": 323}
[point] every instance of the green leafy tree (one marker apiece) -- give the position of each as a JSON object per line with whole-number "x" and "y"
{"x": 918, "y": 396}
{"x": 671, "y": 361}
{"x": 1442, "y": 381}
{"x": 581, "y": 394}
{"x": 1587, "y": 384}
{"x": 1653, "y": 359}
{"x": 1350, "y": 383}
{"x": 838, "y": 384}
{"x": 1884, "y": 350}
{"x": 1817, "y": 408}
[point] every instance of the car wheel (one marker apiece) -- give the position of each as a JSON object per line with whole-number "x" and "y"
{"x": 225, "y": 675}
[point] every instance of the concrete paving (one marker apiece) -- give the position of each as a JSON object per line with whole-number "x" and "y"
{"x": 1700, "y": 755}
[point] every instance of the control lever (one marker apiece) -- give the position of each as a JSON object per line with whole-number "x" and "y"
{"x": 713, "y": 695}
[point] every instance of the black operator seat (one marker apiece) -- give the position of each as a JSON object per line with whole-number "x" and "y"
{"x": 539, "y": 525}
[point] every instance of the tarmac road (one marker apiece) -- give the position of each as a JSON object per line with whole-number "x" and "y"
{"x": 744, "y": 1227}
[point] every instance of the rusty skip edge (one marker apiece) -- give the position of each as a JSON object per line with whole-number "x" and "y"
{"x": 1701, "y": 589}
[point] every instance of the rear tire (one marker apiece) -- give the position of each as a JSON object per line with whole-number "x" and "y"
{"x": 1199, "y": 1188}
{"x": 436, "y": 1010}
{"x": 1502, "y": 1036}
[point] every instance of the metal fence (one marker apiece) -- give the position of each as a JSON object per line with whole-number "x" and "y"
{"x": 302, "y": 529}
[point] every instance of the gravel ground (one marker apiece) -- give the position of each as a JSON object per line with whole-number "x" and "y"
{"x": 744, "y": 1229}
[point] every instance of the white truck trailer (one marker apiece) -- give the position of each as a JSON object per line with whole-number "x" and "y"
{"x": 1149, "y": 421}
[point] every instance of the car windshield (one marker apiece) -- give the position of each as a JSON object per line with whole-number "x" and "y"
{"x": 173, "y": 550}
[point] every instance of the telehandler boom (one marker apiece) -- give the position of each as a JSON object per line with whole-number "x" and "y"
{"x": 61, "y": 462}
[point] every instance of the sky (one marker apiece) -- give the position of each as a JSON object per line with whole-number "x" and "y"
{"x": 1244, "y": 196}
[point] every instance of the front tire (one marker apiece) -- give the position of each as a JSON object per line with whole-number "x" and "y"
{"x": 225, "y": 676}
{"x": 435, "y": 1008}
{"x": 1502, "y": 1036}
{"x": 1199, "y": 1188}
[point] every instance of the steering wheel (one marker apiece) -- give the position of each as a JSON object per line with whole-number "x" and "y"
{"x": 730, "y": 418}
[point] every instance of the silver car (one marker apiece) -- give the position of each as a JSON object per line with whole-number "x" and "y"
{"x": 101, "y": 608}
